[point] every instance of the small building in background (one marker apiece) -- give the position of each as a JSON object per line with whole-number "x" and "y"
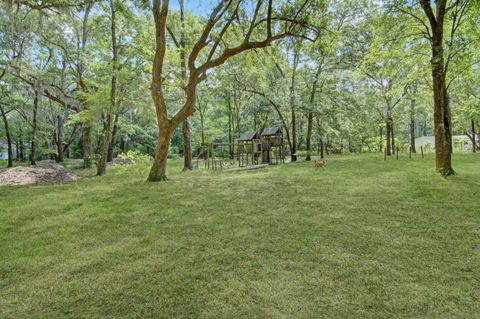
{"x": 460, "y": 143}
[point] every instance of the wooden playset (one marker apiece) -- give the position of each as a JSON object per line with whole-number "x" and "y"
{"x": 252, "y": 150}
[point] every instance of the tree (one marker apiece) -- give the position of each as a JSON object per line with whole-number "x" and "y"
{"x": 187, "y": 143}
{"x": 223, "y": 20}
{"x": 435, "y": 32}
{"x": 4, "y": 113}
{"x": 107, "y": 136}
{"x": 442, "y": 116}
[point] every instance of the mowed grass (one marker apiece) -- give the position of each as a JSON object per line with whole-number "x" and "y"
{"x": 360, "y": 238}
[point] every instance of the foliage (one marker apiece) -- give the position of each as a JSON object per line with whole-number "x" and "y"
{"x": 133, "y": 157}
{"x": 370, "y": 64}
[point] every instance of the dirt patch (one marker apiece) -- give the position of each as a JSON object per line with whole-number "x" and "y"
{"x": 43, "y": 173}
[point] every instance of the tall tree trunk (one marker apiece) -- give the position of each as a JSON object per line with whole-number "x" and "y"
{"x": 113, "y": 141}
{"x": 17, "y": 150}
{"x": 310, "y": 114}
{"x": 187, "y": 141}
{"x": 441, "y": 114}
{"x": 237, "y": 105}
{"x": 442, "y": 117}
{"x": 474, "y": 138}
{"x": 380, "y": 134}
{"x": 9, "y": 137}
{"x": 81, "y": 69}
{"x": 388, "y": 147}
{"x": 60, "y": 138}
{"x": 296, "y": 57}
{"x": 300, "y": 132}
{"x": 202, "y": 127}
{"x": 293, "y": 150}
{"x": 230, "y": 130}
{"x": 309, "y": 134}
{"x": 60, "y": 146}
{"x": 392, "y": 135}
{"x": 86, "y": 145}
{"x": 33, "y": 146}
{"x": 107, "y": 137}
{"x": 104, "y": 145}
{"x": 322, "y": 156}
{"x": 22, "y": 151}
{"x": 412, "y": 126}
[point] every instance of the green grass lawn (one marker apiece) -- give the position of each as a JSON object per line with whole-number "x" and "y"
{"x": 360, "y": 238}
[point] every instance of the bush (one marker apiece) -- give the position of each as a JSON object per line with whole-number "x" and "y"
{"x": 133, "y": 157}
{"x": 303, "y": 153}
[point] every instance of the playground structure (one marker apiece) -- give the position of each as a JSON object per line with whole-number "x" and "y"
{"x": 272, "y": 145}
{"x": 252, "y": 150}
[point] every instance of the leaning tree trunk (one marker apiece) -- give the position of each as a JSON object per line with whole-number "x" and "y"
{"x": 198, "y": 73}
{"x": 33, "y": 147}
{"x": 159, "y": 167}
{"x": 9, "y": 137}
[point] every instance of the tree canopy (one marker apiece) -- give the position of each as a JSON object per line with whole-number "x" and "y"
{"x": 92, "y": 79}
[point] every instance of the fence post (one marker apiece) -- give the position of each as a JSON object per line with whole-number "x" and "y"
{"x": 421, "y": 149}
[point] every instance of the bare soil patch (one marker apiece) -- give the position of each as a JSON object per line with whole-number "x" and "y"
{"x": 43, "y": 173}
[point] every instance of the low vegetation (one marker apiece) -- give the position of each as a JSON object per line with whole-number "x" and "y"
{"x": 359, "y": 237}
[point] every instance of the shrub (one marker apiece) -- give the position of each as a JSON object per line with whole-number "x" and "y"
{"x": 133, "y": 157}
{"x": 303, "y": 153}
